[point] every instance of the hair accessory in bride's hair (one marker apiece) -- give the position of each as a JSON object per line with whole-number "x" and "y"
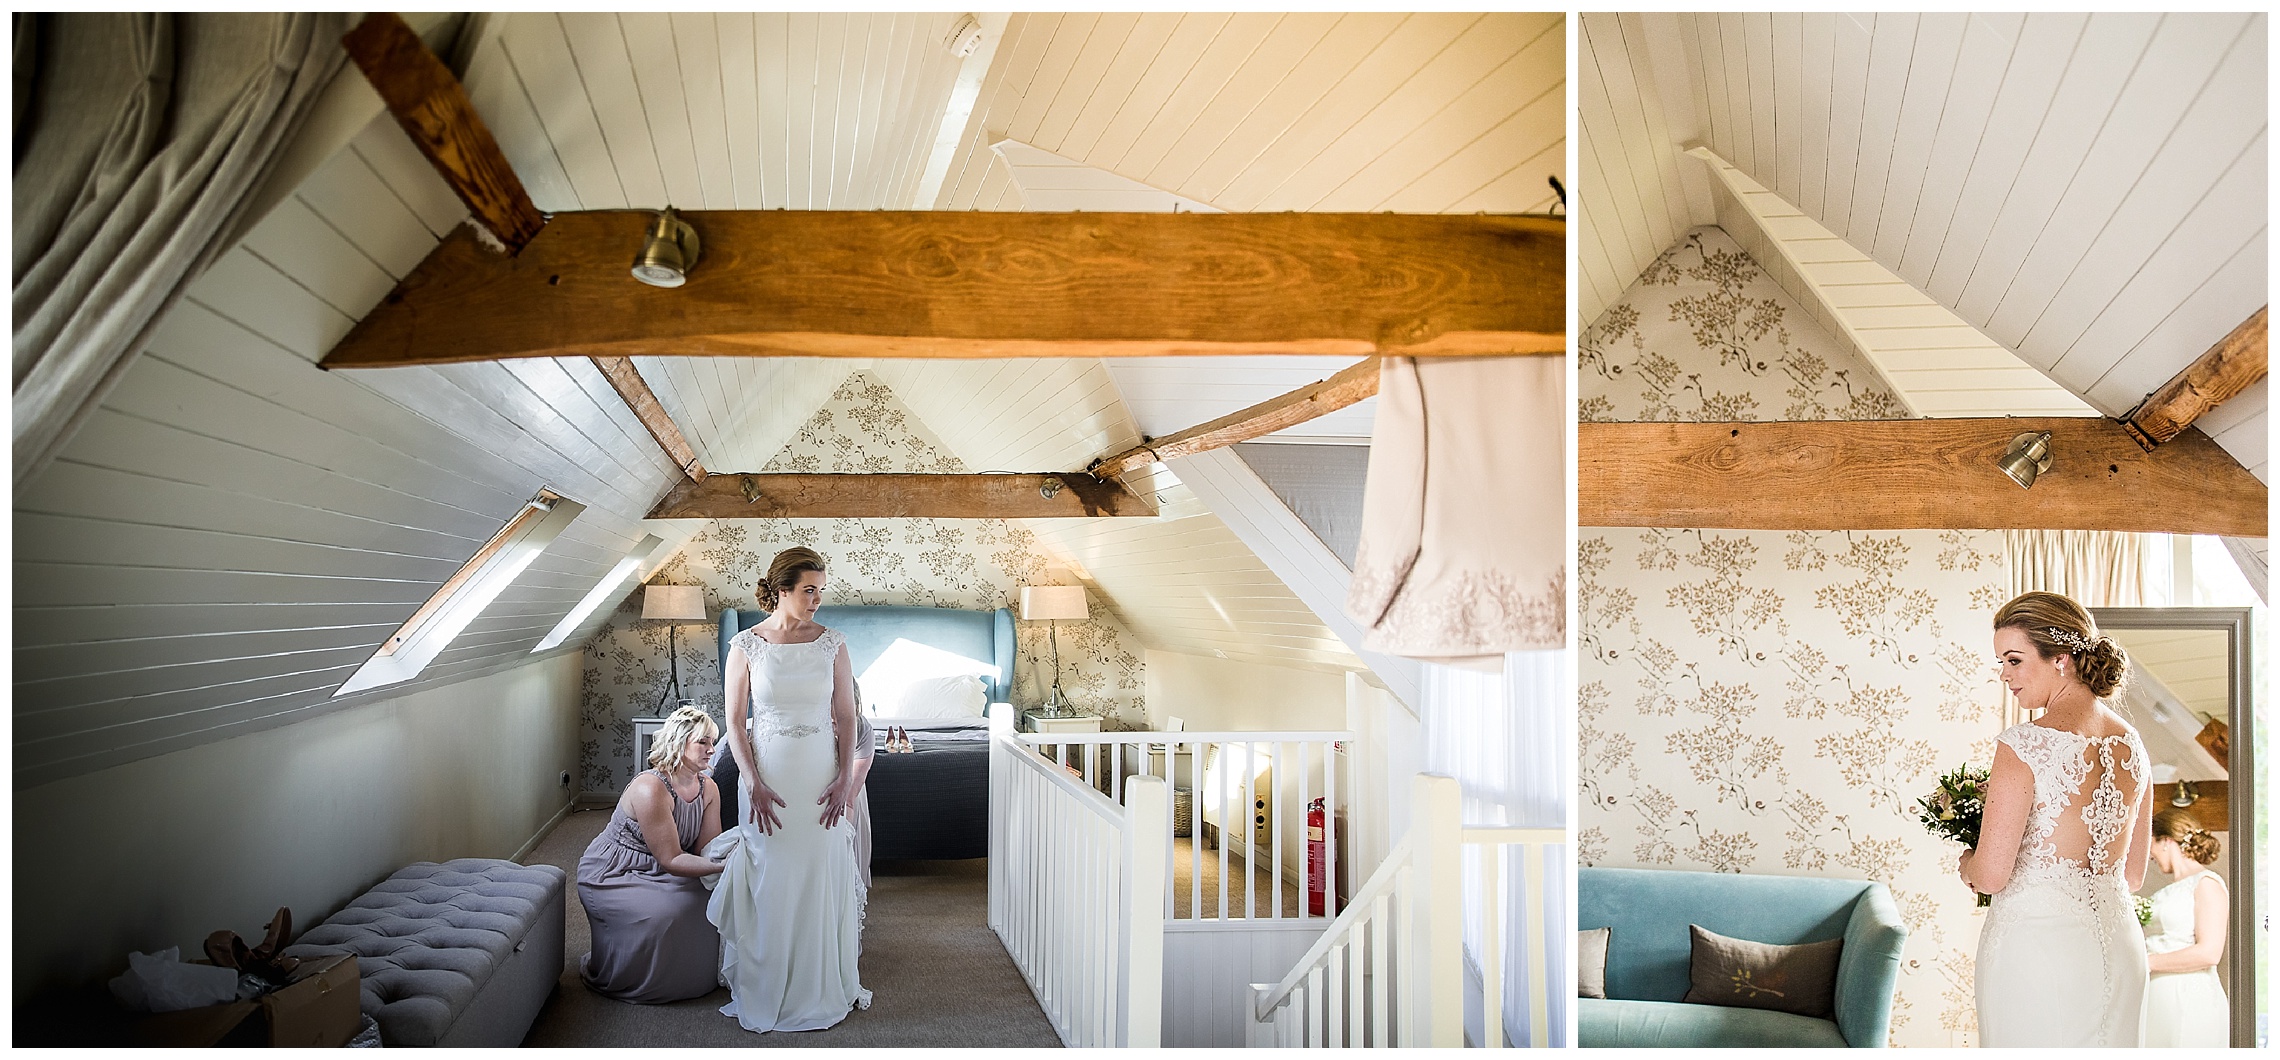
{"x": 2068, "y": 639}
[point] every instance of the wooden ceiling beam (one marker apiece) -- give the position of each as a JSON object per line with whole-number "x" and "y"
{"x": 2234, "y": 364}
{"x": 435, "y": 112}
{"x": 1907, "y": 474}
{"x": 882, "y": 283}
{"x": 1358, "y": 382}
{"x": 627, "y": 381}
{"x": 1071, "y": 495}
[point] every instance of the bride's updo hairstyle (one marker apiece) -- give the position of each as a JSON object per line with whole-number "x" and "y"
{"x": 681, "y": 726}
{"x": 2191, "y": 838}
{"x": 2059, "y": 626}
{"x": 784, "y": 574}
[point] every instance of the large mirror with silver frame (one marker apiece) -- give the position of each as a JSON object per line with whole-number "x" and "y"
{"x": 2190, "y": 696}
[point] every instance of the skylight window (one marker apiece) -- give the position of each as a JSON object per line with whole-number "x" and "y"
{"x": 602, "y": 591}
{"x": 465, "y": 594}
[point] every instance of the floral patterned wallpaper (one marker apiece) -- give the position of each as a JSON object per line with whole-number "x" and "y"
{"x": 1766, "y": 702}
{"x": 1770, "y": 702}
{"x": 1705, "y": 335}
{"x": 971, "y": 564}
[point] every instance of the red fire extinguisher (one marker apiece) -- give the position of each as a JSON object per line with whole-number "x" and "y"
{"x": 1317, "y": 859}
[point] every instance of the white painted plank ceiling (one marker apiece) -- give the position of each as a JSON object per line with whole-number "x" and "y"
{"x": 2087, "y": 190}
{"x": 236, "y": 530}
{"x": 1937, "y": 364}
{"x": 1420, "y": 113}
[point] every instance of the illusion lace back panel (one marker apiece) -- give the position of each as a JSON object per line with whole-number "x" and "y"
{"x": 2061, "y": 961}
{"x": 2183, "y": 1010}
{"x": 790, "y": 905}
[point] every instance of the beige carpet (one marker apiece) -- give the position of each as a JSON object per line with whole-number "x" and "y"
{"x": 939, "y": 975}
{"x": 1264, "y": 890}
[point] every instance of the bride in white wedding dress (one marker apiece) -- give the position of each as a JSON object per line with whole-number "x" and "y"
{"x": 790, "y": 900}
{"x": 2064, "y": 842}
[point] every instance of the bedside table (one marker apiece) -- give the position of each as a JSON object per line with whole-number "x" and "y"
{"x": 1031, "y": 721}
{"x": 1068, "y": 755}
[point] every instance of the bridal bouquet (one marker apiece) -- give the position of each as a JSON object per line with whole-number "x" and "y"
{"x": 2144, "y": 907}
{"x": 1955, "y": 808}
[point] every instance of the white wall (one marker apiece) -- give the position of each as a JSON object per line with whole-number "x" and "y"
{"x": 163, "y": 851}
{"x": 1220, "y": 695}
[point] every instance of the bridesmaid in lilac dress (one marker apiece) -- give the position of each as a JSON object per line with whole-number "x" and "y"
{"x": 652, "y": 941}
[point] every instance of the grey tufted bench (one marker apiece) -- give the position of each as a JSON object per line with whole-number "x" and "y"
{"x": 458, "y": 954}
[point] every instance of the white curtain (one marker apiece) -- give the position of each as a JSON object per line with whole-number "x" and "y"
{"x": 1508, "y": 736}
{"x": 139, "y": 139}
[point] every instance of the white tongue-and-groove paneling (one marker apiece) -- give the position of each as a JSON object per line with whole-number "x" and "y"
{"x": 1015, "y": 414}
{"x": 1418, "y": 113}
{"x": 2087, "y": 190}
{"x": 1190, "y": 585}
{"x": 235, "y": 531}
{"x": 715, "y": 110}
{"x": 1638, "y": 194}
{"x": 1934, "y": 362}
{"x": 1171, "y": 394}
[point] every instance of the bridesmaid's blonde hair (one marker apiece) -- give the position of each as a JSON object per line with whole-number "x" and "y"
{"x": 681, "y": 726}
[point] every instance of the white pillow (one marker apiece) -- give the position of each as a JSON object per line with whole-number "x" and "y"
{"x": 949, "y": 696}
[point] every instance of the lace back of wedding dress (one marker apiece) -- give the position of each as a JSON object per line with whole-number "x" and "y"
{"x": 2061, "y": 961}
{"x": 2086, "y": 797}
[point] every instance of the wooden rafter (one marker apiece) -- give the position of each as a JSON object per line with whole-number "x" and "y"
{"x": 2234, "y": 364}
{"x": 435, "y": 112}
{"x": 643, "y": 401}
{"x": 987, "y": 284}
{"x": 1907, "y": 474}
{"x": 1357, "y": 382}
{"x": 1073, "y": 495}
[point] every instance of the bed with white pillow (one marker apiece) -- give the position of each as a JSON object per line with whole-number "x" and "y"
{"x": 933, "y": 671}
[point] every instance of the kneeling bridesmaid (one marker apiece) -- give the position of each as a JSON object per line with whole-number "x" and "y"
{"x": 652, "y": 942}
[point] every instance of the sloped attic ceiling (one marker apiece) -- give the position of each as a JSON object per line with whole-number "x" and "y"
{"x": 235, "y": 530}
{"x": 2087, "y": 190}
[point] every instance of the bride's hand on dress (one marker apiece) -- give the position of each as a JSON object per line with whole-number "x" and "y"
{"x": 757, "y": 800}
{"x": 837, "y": 797}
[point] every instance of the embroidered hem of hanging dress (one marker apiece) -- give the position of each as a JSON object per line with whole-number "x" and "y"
{"x": 1463, "y": 521}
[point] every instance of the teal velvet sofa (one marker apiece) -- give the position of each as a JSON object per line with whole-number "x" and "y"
{"x": 1650, "y": 949}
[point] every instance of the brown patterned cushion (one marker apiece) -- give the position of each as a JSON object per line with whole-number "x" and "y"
{"x": 1591, "y": 962}
{"x": 1744, "y": 974}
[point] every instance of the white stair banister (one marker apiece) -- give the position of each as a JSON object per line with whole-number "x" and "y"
{"x": 1147, "y": 815}
{"x": 1436, "y": 829}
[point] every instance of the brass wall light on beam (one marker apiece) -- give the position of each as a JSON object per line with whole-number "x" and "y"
{"x": 2027, "y": 459}
{"x": 668, "y": 251}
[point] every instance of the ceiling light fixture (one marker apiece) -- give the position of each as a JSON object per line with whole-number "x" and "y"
{"x": 2027, "y": 459}
{"x": 668, "y": 251}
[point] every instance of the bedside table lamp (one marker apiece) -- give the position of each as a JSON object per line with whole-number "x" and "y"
{"x": 673, "y": 605}
{"x": 1051, "y": 603}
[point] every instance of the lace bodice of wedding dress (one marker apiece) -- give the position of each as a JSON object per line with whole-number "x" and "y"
{"x": 2060, "y": 961}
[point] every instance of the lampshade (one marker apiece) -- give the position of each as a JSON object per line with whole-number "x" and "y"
{"x": 1040, "y": 602}
{"x": 674, "y": 603}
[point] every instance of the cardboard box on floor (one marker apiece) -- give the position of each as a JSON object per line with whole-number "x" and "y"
{"x": 318, "y": 1009}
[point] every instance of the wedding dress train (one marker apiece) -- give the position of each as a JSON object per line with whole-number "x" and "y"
{"x": 790, "y": 905}
{"x": 2061, "y": 959}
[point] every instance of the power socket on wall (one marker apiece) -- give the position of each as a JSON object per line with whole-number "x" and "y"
{"x": 565, "y": 779}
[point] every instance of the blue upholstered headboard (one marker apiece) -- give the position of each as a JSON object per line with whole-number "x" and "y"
{"x": 983, "y": 636}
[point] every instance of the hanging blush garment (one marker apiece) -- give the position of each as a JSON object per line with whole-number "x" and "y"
{"x": 1463, "y": 549}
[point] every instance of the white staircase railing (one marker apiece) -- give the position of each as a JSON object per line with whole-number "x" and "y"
{"x": 1390, "y": 970}
{"x": 1077, "y": 895}
{"x": 1246, "y": 795}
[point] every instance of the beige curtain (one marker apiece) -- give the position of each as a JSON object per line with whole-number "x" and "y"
{"x": 138, "y": 140}
{"x": 2097, "y": 568}
{"x": 1464, "y": 521}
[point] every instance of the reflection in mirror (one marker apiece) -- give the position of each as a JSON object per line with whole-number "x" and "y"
{"x": 2188, "y": 680}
